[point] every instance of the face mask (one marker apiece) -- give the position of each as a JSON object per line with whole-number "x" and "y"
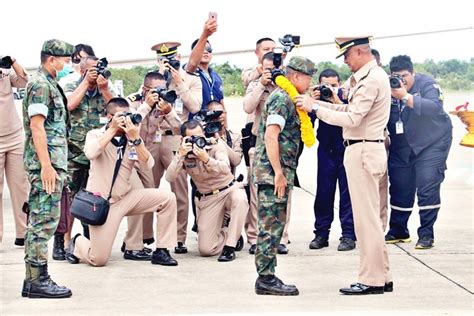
{"x": 67, "y": 69}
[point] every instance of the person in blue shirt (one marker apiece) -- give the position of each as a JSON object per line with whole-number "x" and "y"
{"x": 330, "y": 172}
{"x": 421, "y": 136}
{"x": 199, "y": 62}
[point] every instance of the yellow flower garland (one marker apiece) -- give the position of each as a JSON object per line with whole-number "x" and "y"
{"x": 307, "y": 133}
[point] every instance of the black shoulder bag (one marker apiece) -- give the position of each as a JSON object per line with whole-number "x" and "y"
{"x": 93, "y": 209}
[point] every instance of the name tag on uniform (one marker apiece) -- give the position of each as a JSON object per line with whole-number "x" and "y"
{"x": 178, "y": 106}
{"x": 132, "y": 154}
{"x": 158, "y": 136}
{"x": 399, "y": 127}
{"x": 103, "y": 120}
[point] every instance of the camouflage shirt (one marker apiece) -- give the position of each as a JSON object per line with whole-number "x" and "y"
{"x": 281, "y": 109}
{"x": 82, "y": 119}
{"x": 44, "y": 97}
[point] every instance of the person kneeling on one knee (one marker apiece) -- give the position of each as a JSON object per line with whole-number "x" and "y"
{"x": 207, "y": 162}
{"x": 102, "y": 147}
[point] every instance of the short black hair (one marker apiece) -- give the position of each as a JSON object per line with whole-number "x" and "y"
{"x": 83, "y": 48}
{"x": 263, "y": 39}
{"x": 153, "y": 75}
{"x": 213, "y": 102}
{"x": 401, "y": 62}
{"x": 195, "y": 43}
{"x": 375, "y": 52}
{"x": 192, "y": 124}
{"x": 268, "y": 56}
{"x": 115, "y": 103}
{"x": 327, "y": 73}
{"x": 44, "y": 57}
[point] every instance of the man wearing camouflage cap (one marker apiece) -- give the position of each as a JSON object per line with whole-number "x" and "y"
{"x": 277, "y": 145}
{"x": 45, "y": 159}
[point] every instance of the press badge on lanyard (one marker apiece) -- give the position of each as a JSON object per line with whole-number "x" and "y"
{"x": 103, "y": 120}
{"x": 178, "y": 106}
{"x": 158, "y": 136}
{"x": 399, "y": 123}
{"x": 132, "y": 154}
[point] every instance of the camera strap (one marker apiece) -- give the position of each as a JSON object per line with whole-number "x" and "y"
{"x": 120, "y": 144}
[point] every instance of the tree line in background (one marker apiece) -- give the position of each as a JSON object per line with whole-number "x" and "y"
{"x": 452, "y": 74}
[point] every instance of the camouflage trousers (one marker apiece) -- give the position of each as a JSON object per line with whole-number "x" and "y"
{"x": 271, "y": 222}
{"x": 43, "y": 218}
{"x": 77, "y": 176}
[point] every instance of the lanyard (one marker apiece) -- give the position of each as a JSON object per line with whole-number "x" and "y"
{"x": 210, "y": 82}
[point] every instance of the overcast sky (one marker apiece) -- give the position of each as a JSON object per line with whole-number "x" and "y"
{"x": 127, "y": 29}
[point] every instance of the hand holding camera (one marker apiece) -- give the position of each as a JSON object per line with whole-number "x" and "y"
{"x": 130, "y": 127}
{"x": 164, "y": 107}
{"x": 266, "y": 77}
{"x": 397, "y": 83}
{"x": 186, "y": 147}
{"x": 91, "y": 76}
{"x": 6, "y": 62}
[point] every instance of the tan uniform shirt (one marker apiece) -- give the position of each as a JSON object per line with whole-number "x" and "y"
{"x": 102, "y": 167}
{"x": 208, "y": 177}
{"x": 248, "y": 75}
{"x": 235, "y": 151}
{"x": 367, "y": 113}
{"x": 254, "y": 100}
{"x": 9, "y": 120}
{"x": 189, "y": 91}
{"x": 154, "y": 122}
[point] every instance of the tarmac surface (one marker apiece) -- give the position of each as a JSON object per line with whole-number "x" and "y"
{"x": 438, "y": 281}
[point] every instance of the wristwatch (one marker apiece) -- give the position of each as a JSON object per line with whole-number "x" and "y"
{"x": 136, "y": 142}
{"x": 406, "y": 97}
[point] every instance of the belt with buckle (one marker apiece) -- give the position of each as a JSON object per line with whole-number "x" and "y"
{"x": 200, "y": 195}
{"x": 348, "y": 142}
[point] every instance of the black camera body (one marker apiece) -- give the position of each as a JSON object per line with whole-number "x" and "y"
{"x": 208, "y": 119}
{"x": 172, "y": 61}
{"x": 136, "y": 118}
{"x": 289, "y": 42}
{"x": 101, "y": 68}
{"x": 200, "y": 141}
{"x": 169, "y": 96}
{"x": 6, "y": 62}
{"x": 395, "y": 81}
{"x": 325, "y": 92}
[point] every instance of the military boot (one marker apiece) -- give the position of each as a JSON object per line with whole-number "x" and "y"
{"x": 58, "y": 248}
{"x": 271, "y": 285}
{"x": 41, "y": 285}
{"x": 27, "y": 281}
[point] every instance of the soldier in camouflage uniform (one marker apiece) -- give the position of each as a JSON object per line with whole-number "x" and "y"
{"x": 277, "y": 145}
{"x": 87, "y": 97}
{"x": 45, "y": 159}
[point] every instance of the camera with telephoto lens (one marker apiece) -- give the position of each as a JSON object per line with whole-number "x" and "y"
{"x": 101, "y": 68}
{"x": 6, "y": 62}
{"x": 136, "y": 118}
{"x": 395, "y": 81}
{"x": 168, "y": 95}
{"x": 325, "y": 92}
{"x": 208, "y": 119}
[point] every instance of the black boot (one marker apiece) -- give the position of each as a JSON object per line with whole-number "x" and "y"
{"x": 227, "y": 254}
{"x": 271, "y": 285}
{"x": 27, "y": 281}
{"x": 58, "y": 248}
{"x": 41, "y": 285}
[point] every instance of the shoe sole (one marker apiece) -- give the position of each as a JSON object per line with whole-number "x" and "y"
{"x": 180, "y": 251}
{"x": 165, "y": 264}
{"x": 312, "y": 247}
{"x": 265, "y": 292}
{"x": 225, "y": 260}
{"x": 423, "y": 247}
{"x": 136, "y": 259}
{"x": 38, "y": 295}
{"x": 366, "y": 293}
{"x": 59, "y": 258}
{"x": 396, "y": 241}
{"x": 345, "y": 249}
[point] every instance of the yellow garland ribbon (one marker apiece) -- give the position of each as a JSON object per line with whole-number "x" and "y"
{"x": 307, "y": 133}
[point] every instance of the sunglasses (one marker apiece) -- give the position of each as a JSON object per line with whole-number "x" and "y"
{"x": 209, "y": 49}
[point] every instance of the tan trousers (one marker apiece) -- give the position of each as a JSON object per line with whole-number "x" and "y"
{"x": 383, "y": 190}
{"x": 251, "y": 219}
{"x": 365, "y": 165}
{"x": 11, "y": 166}
{"x": 210, "y": 214}
{"x": 96, "y": 251}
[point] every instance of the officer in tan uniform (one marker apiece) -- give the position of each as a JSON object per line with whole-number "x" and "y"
{"x": 218, "y": 193}
{"x": 102, "y": 147}
{"x": 12, "y": 138}
{"x": 363, "y": 121}
{"x": 160, "y": 132}
{"x": 254, "y": 100}
{"x": 188, "y": 87}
